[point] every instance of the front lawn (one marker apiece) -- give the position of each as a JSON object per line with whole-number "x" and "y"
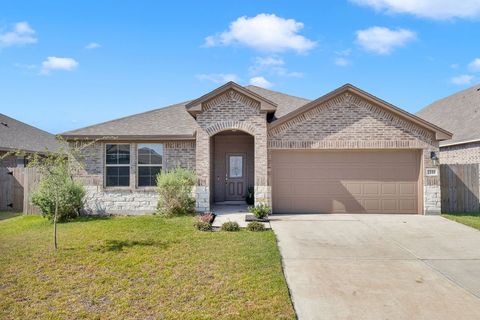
{"x": 469, "y": 219}
{"x": 138, "y": 268}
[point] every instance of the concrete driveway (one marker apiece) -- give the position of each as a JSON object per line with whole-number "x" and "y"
{"x": 380, "y": 266}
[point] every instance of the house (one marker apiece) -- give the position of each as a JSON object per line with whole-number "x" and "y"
{"x": 459, "y": 114}
{"x": 347, "y": 151}
{"x": 18, "y": 136}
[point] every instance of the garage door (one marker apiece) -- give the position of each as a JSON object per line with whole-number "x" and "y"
{"x": 345, "y": 182}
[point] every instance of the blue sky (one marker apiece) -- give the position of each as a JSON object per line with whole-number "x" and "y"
{"x": 65, "y": 64}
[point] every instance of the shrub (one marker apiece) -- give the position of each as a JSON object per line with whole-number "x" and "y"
{"x": 174, "y": 188}
{"x": 255, "y": 226}
{"x": 260, "y": 210}
{"x": 202, "y": 225}
{"x": 58, "y": 185}
{"x": 204, "y": 222}
{"x": 206, "y": 217}
{"x": 230, "y": 226}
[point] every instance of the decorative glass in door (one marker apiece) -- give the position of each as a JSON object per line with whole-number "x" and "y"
{"x": 235, "y": 177}
{"x": 236, "y": 167}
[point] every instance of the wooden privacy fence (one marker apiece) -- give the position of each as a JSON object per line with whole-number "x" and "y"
{"x": 460, "y": 187}
{"x": 16, "y": 187}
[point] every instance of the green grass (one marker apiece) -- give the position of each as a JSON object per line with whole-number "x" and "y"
{"x": 143, "y": 267}
{"x": 469, "y": 219}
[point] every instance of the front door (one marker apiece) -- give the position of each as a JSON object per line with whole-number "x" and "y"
{"x": 235, "y": 177}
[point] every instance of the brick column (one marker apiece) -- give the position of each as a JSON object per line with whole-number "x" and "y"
{"x": 432, "y": 201}
{"x": 262, "y": 189}
{"x": 202, "y": 190}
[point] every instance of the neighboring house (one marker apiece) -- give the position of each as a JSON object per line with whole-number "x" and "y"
{"x": 346, "y": 151}
{"x": 459, "y": 114}
{"x": 19, "y": 136}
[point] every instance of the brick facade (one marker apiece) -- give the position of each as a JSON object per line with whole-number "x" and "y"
{"x": 346, "y": 121}
{"x": 349, "y": 122}
{"x": 230, "y": 110}
{"x": 467, "y": 153}
{"x": 132, "y": 199}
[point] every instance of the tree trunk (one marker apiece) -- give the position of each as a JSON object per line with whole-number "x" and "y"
{"x": 55, "y": 225}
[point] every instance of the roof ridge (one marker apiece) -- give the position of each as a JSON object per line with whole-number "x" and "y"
{"x": 275, "y": 91}
{"x": 126, "y": 117}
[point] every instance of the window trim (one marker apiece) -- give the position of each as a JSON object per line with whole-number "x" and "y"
{"x": 105, "y": 165}
{"x": 148, "y": 165}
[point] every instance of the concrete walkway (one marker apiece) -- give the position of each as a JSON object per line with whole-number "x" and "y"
{"x": 228, "y": 212}
{"x": 380, "y": 266}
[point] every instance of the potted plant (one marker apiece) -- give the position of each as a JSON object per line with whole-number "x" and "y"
{"x": 260, "y": 211}
{"x": 250, "y": 199}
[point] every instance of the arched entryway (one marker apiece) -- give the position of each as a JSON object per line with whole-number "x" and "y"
{"x": 232, "y": 169}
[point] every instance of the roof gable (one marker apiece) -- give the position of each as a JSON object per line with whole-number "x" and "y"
{"x": 198, "y": 105}
{"x": 440, "y": 134}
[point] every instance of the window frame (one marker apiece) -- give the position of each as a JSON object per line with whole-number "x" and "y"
{"x": 106, "y": 165}
{"x": 148, "y": 165}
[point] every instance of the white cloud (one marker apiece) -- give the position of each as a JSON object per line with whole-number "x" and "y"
{"x": 21, "y": 34}
{"x": 272, "y": 65}
{"x": 56, "y": 63}
{"x": 383, "y": 40}
{"x": 474, "y": 66}
{"x": 25, "y": 66}
{"x": 261, "y": 82}
{"x": 264, "y": 32}
{"x": 433, "y": 9}
{"x": 342, "y": 58}
{"x": 93, "y": 45}
{"x": 463, "y": 79}
{"x": 342, "y": 62}
{"x": 269, "y": 61}
{"x": 218, "y": 77}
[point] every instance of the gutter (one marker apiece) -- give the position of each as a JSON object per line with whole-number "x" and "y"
{"x": 459, "y": 143}
{"x": 128, "y": 137}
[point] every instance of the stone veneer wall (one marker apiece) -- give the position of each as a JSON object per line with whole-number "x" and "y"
{"x": 127, "y": 200}
{"x": 350, "y": 122}
{"x": 467, "y": 153}
{"x": 227, "y": 111}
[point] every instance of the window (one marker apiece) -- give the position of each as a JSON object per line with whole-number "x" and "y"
{"x": 117, "y": 164}
{"x": 21, "y": 162}
{"x": 150, "y": 162}
{"x": 236, "y": 167}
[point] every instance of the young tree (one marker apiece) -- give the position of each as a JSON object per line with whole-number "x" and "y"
{"x": 58, "y": 195}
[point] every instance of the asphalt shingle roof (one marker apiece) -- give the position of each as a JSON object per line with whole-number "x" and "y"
{"x": 458, "y": 113}
{"x": 285, "y": 102}
{"x": 174, "y": 120}
{"x": 171, "y": 120}
{"x": 16, "y": 135}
